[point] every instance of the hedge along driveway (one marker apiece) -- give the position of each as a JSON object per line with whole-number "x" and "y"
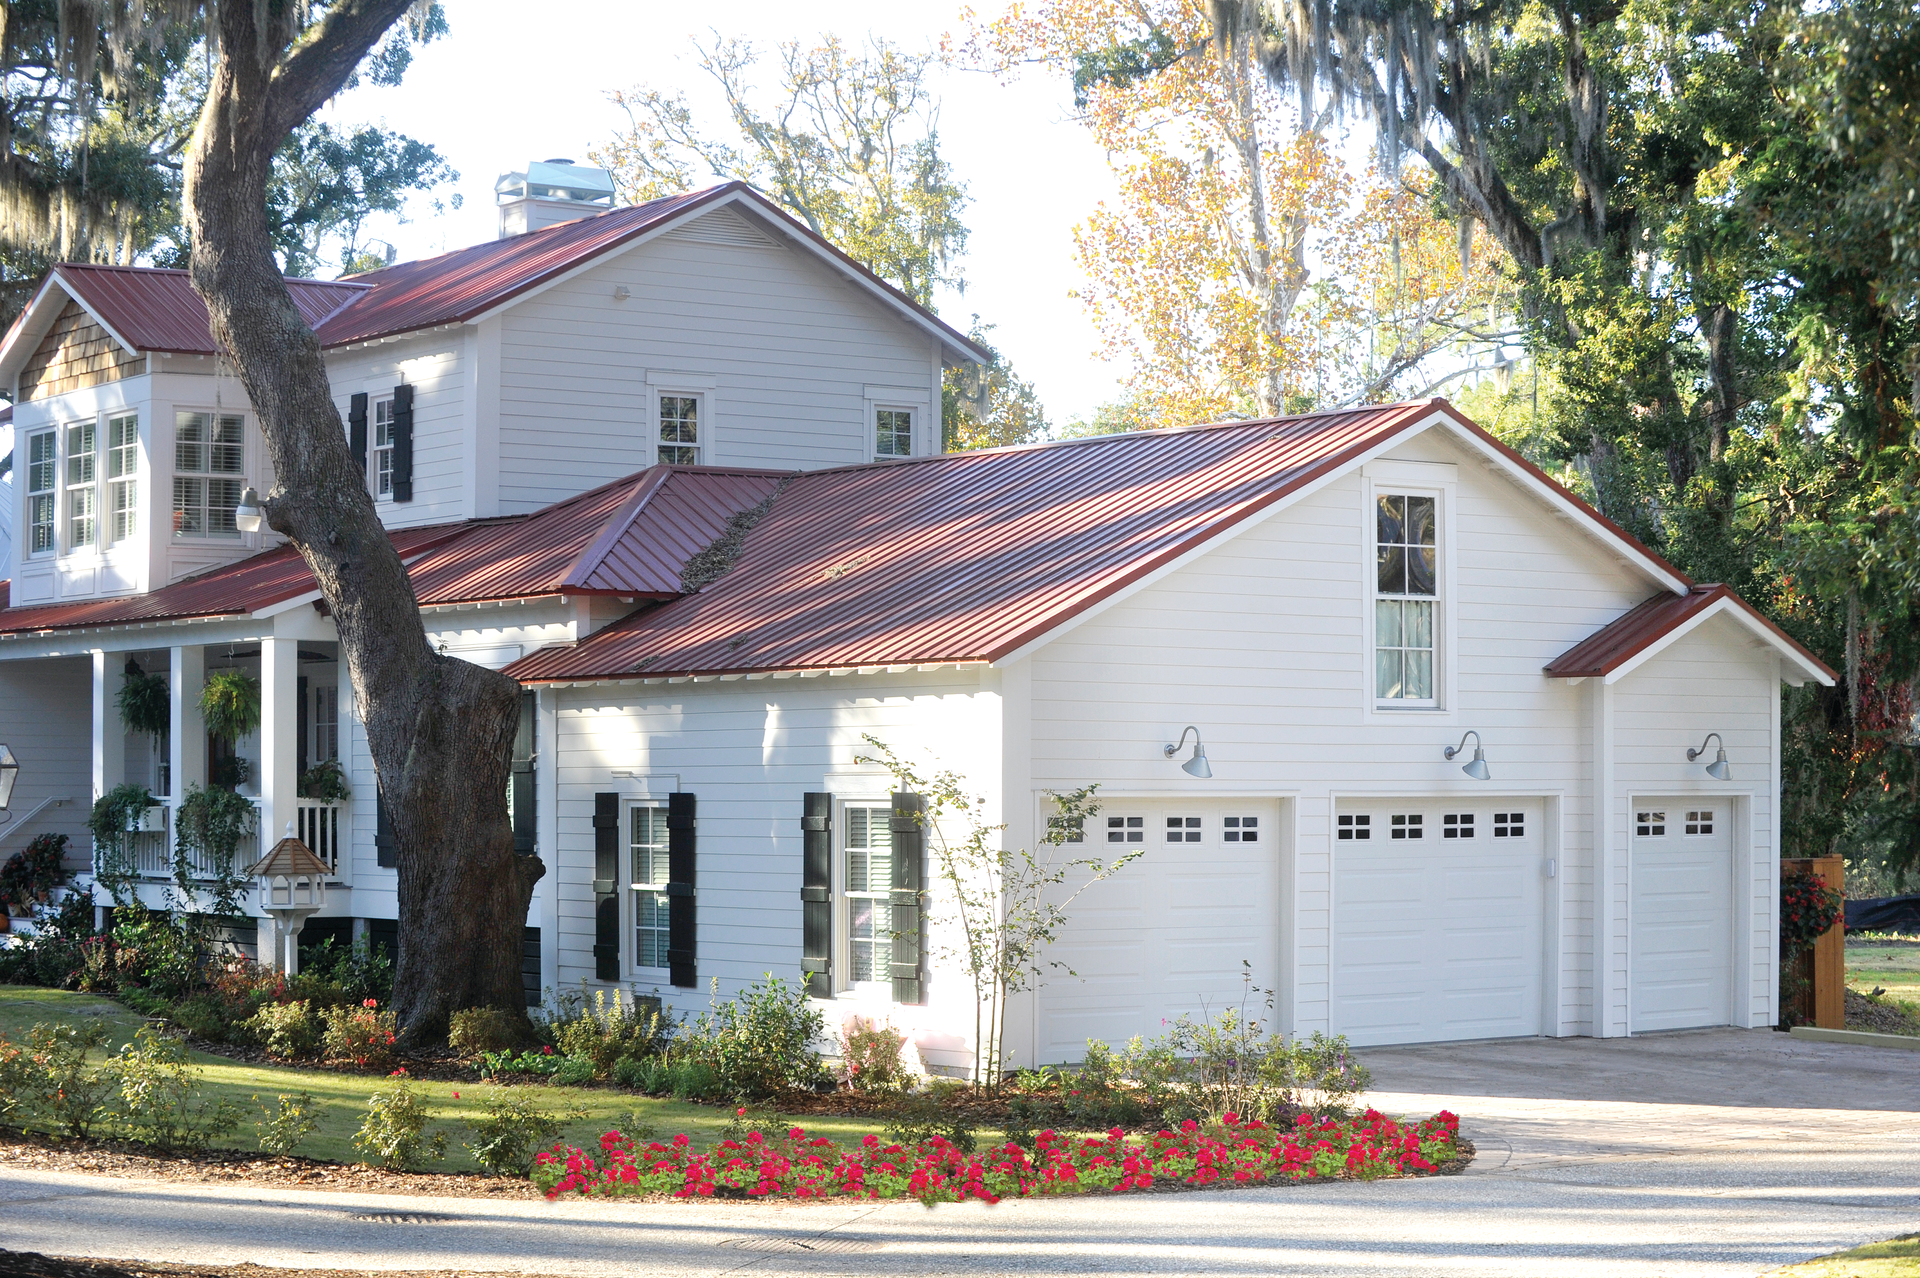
{"x": 343, "y": 1096}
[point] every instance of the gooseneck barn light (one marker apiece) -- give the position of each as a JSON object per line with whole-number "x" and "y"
{"x": 1475, "y": 767}
{"x": 1718, "y": 769}
{"x": 1197, "y": 766}
{"x": 247, "y": 515}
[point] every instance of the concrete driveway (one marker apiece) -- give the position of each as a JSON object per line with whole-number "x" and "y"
{"x": 1718, "y": 1152}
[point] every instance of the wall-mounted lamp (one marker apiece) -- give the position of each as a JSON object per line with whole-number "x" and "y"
{"x": 1196, "y": 766}
{"x": 1718, "y": 769}
{"x": 1475, "y": 767}
{"x": 9, "y": 773}
{"x": 246, "y": 516}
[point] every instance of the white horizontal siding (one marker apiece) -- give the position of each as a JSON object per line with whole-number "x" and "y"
{"x": 46, "y": 717}
{"x": 434, "y": 364}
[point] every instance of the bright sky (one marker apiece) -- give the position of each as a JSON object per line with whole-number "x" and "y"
{"x": 504, "y": 89}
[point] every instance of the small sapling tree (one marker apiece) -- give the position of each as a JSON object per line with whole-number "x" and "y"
{"x": 1009, "y": 904}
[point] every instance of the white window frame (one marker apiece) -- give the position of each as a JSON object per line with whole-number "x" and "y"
{"x": 90, "y": 486}
{"x": 122, "y": 505}
{"x": 50, "y": 492}
{"x": 635, "y": 888}
{"x": 874, "y": 409}
{"x": 326, "y": 722}
{"x": 1418, "y": 479}
{"x": 206, "y": 474}
{"x": 909, "y": 399}
{"x": 843, "y": 898}
{"x": 376, "y": 451}
{"x": 696, "y": 386}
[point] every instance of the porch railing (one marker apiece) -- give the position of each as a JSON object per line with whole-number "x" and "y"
{"x": 320, "y": 827}
{"x": 151, "y": 847}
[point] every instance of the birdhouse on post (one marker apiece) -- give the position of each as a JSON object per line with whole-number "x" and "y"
{"x": 293, "y": 888}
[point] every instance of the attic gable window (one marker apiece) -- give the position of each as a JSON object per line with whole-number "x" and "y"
{"x": 43, "y": 464}
{"x": 679, "y": 430}
{"x": 1406, "y": 593}
{"x": 209, "y": 470}
{"x": 893, "y": 432}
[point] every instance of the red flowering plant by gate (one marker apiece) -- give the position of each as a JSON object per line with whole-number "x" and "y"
{"x": 1808, "y": 909}
{"x": 796, "y": 1165}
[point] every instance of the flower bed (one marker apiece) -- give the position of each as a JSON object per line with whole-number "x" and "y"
{"x": 799, "y": 1166}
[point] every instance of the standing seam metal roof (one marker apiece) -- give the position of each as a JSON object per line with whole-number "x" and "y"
{"x": 157, "y": 310}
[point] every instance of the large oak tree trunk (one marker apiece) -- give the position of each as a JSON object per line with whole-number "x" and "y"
{"x": 440, "y": 729}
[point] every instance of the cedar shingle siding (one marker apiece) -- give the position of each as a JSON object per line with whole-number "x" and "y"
{"x": 76, "y": 352}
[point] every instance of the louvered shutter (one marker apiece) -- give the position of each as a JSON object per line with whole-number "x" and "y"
{"x": 682, "y": 930}
{"x": 522, "y": 777}
{"x": 816, "y": 893}
{"x": 403, "y": 443}
{"x": 908, "y": 899}
{"x": 386, "y": 850}
{"x": 357, "y": 430}
{"x": 606, "y": 901}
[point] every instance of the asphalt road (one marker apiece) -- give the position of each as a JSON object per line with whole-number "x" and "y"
{"x": 1711, "y": 1153}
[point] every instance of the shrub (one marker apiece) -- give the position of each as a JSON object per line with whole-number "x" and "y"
{"x": 574, "y": 1071}
{"x": 31, "y": 874}
{"x": 288, "y": 1030}
{"x": 485, "y": 1029}
{"x": 364, "y": 1035}
{"x": 69, "y": 1091}
{"x": 870, "y": 1055}
{"x": 637, "y": 1072}
{"x": 157, "y": 1095}
{"x": 394, "y": 1127}
{"x": 761, "y": 1042}
{"x": 151, "y": 948}
{"x": 543, "y": 1063}
{"x": 52, "y": 953}
{"x": 606, "y": 1029}
{"x": 201, "y": 1016}
{"x": 347, "y": 973}
{"x": 919, "y": 1118}
{"x": 18, "y": 1073}
{"x": 505, "y": 1138}
{"x": 290, "y": 1121}
{"x": 692, "y": 1079}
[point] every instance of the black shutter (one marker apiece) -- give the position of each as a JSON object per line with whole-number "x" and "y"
{"x": 300, "y": 731}
{"x": 681, "y": 855}
{"x": 909, "y": 904}
{"x": 606, "y": 901}
{"x": 386, "y": 849}
{"x": 403, "y": 443}
{"x": 816, "y": 893}
{"x": 522, "y": 778}
{"x": 357, "y": 430}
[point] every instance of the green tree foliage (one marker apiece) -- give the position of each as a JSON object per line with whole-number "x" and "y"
{"x": 90, "y": 166}
{"x": 848, "y": 141}
{"x": 1707, "y": 209}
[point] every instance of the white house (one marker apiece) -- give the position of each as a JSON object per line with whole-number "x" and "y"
{"x": 1330, "y": 602}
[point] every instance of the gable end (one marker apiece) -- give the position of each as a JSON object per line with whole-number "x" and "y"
{"x": 75, "y": 353}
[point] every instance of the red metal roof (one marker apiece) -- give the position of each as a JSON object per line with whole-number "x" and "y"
{"x": 1634, "y": 631}
{"x": 631, "y": 537}
{"x": 968, "y": 556}
{"x": 157, "y": 310}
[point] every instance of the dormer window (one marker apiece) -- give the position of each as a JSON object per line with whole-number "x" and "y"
{"x": 679, "y": 430}
{"x": 82, "y": 509}
{"x": 1406, "y": 594}
{"x": 123, "y": 471}
{"x": 209, "y": 463}
{"x": 43, "y": 466}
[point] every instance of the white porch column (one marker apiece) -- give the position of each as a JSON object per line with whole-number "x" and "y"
{"x": 279, "y": 742}
{"x": 109, "y": 738}
{"x": 186, "y": 731}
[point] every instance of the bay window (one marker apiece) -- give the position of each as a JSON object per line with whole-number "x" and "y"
{"x": 82, "y": 508}
{"x": 43, "y": 466}
{"x": 209, "y": 462}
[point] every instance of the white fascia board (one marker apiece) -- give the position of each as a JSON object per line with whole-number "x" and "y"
{"x": 909, "y": 313}
{"x": 1214, "y": 542}
{"x": 1761, "y": 632}
{"x": 1562, "y": 504}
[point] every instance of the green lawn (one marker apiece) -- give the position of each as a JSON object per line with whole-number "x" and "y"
{"x": 1890, "y": 965}
{"x": 345, "y": 1095}
{"x": 1898, "y": 1258}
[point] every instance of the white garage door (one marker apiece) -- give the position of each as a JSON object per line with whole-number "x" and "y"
{"x": 1438, "y": 917}
{"x": 1682, "y": 913}
{"x": 1168, "y": 934}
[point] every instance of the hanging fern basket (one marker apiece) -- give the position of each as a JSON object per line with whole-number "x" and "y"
{"x": 145, "y": 706}
{"x": 230, "y": 704}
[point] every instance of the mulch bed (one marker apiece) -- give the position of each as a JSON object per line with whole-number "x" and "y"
{"x": 31, "y": 1264}
{"x": 1864, "y": 1013}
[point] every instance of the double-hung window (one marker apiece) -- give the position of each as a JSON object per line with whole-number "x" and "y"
{"x": 43, "y": 468}
{"x": 1406, "y": 595}
{"x": 679, "y": 430}
{"x": 893, "y": 432}
{"x": 209, "y": 464}
{"x": 382, "y": 459}
{"x": 869, "y": 868}
{"x": 326, "y": 722}
{"x": 647, "y": 846}
{"x": 82, "y": 507}
{"x": 123, "y": 470}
